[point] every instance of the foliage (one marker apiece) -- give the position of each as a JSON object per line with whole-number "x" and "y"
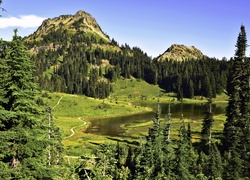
{"x": 23, "y": 138}
{"x": 206, "y": 132}
{"x": 236, "y": 128}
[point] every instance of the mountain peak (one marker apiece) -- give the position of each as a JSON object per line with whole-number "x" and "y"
{"x": 83, "y": 14}
{"x": 180, "y": 52}
{"x": 80, "y": 13}
{"x": 81, "y": 21}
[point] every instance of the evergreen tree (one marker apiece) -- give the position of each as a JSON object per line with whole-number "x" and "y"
{"x": 206, "y": 89}
{"x": 167, "y": 147}
{"x": 179, "y": 88}
{"x": 202, "y": 166}
{"x": 232, "y": 165}
{"x": 151, "y": 165}
{"x": 214, "y": 169}
{"x": 190, "y": 89}
{"x": 183, "y": 160}
{"x": 21, "y": 134}
{"x": 106, "y": 164}
{"x": 236, "y": 128}
{"x": 206, "y": 134}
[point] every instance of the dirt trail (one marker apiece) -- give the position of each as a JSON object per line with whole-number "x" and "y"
{"x": 58, "y": 102}
{"x": 73, "y": 128}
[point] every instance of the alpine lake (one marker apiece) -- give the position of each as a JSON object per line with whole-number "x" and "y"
{"x": 136, "y": 126}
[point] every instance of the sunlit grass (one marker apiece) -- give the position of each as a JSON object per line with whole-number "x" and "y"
{"x": 140, "y": 130}
{"x": 129, "y": 97}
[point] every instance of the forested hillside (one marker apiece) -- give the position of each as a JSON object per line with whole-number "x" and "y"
{"x": 73, "y": 55}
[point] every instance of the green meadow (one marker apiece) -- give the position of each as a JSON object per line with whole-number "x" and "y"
{"x": 74, "y": 113}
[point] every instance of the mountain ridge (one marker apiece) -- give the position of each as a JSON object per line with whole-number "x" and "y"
{"x": 83, "y": 22}
{"x": 71, "y": 55}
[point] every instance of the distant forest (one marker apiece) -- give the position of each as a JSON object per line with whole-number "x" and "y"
{"x": 77, "y": 68}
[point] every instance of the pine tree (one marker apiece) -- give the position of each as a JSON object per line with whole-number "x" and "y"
{"x": 151, "y": 165}
{"x": 206, "y": 133}
{"x": 179, "y": 88}
{"x": 214, "y": 162}
{"x": 105, "y": 167}
{"x": 184, "y": 155}
{"x": 236, "y": 128}
{"x": 190, "y": 89}
{"x": 21, "y": 135}
{"x": 167, "y": 147}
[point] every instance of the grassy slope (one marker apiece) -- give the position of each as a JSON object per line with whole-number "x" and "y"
{"x": 129, "y": 96}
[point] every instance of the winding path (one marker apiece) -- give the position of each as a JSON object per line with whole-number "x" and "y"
{"x": 58, "y": 102}
{"x": 73, "y": 128}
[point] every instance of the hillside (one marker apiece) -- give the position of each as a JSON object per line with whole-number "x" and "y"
{"x": 73, "y": 55}
{"x": 65, "y": 30}
{"x": 181, "y": 53}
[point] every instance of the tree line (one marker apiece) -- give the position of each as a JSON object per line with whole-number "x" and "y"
{"x": 75, "y": 65}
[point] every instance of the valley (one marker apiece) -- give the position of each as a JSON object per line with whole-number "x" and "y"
{"x": 75, "y": 104}
{"x": 125, "y": 116}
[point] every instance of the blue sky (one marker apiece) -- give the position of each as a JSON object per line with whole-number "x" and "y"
{"x": 153, "y": 25}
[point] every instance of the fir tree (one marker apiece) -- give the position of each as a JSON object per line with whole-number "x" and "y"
{"x": 105, "y": 167}
{"x": 21, "y": 134}
{"x": 184, "y": 155}
{"x": 151, "y": 165}
{"x": 167, "y": 147}
{"x": 236, "y": 128}
{"x": 206, "y": 133}
{"x": 214, "y": 163}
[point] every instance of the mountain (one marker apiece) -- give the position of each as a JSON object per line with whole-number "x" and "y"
{"x": 73, "y": 55}
{"x": 80, "y": 22}
{"x": 181, "y": 53}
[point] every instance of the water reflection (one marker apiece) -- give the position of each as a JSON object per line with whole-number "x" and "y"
{"x": 111, "y": 126}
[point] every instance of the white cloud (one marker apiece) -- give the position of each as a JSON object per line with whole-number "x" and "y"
{"x": 25, "y": 21}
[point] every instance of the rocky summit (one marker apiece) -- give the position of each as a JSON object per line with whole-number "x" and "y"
{"x": 80, "y": 22}
{"x": 181, "y": 53}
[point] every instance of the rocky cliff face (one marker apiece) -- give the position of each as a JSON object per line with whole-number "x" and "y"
{"x": 181, "y": 53}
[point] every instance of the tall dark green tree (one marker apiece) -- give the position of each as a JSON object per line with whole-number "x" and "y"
{"x": 184, "y": 153}
{"x": 206, "y": 134}
{"x": 167, "y": 147}
{"x": 236, "y": 127}
{"x": 179, "y": 88}
{"x": 151, "y": 165}
{"x": 214, "y": 169}
{"x": 22, "y": 154}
